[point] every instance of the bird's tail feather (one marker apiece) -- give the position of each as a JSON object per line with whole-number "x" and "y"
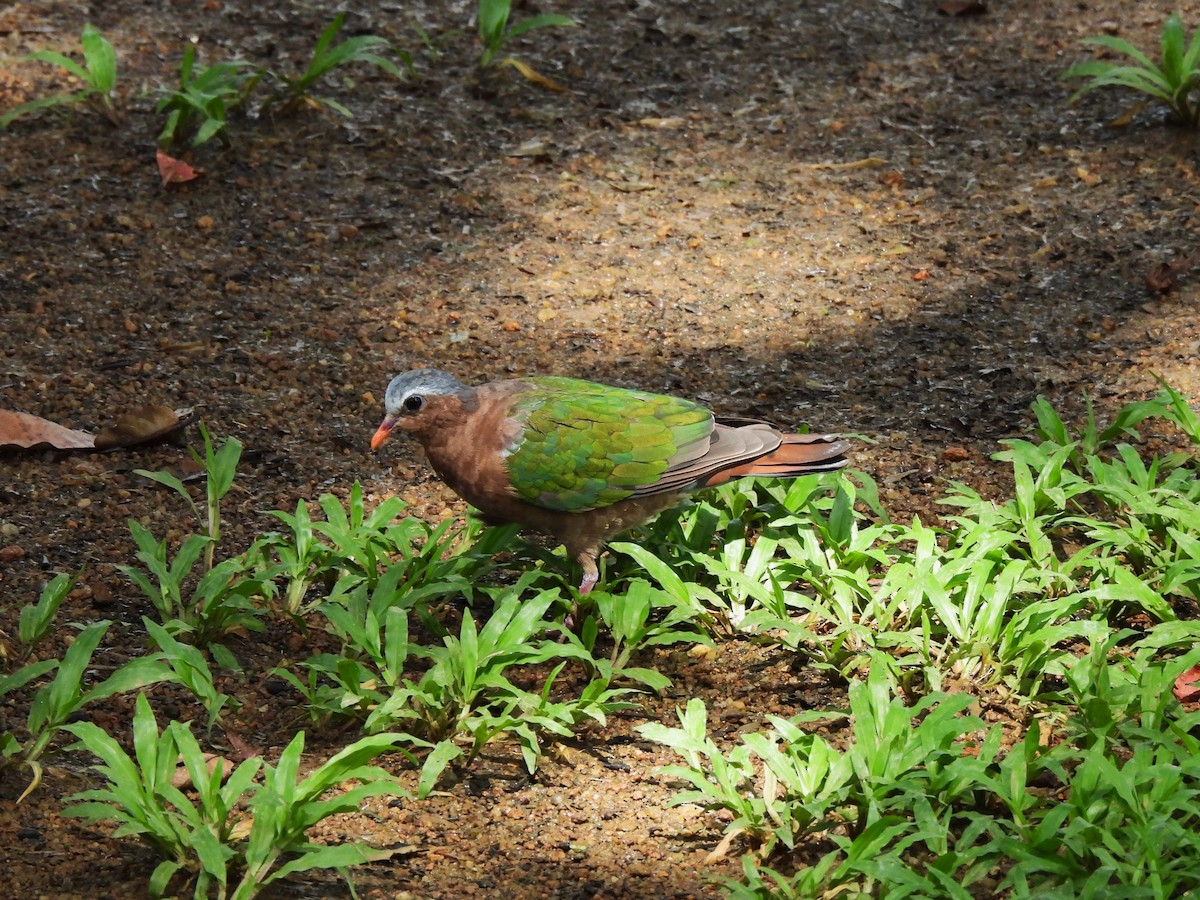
{"x": 798, "y": 454}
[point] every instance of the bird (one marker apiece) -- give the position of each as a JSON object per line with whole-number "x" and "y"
{"x": 582, "y": 461}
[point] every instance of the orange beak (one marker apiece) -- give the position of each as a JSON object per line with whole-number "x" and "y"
{"x": 381, "y": 434}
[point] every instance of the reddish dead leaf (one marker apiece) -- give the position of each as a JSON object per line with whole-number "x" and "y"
{"x": 23, "y": 430}
{"x": 172, "y": 169}
{"x": 960, "y": 8}
{"x": 1164, "y": 277}
{"x": 142, "y": 425}
{"x": 1187, "y": 685}
{"x": 242, "y": 749}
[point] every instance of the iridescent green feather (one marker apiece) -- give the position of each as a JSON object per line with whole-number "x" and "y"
{"x": 587, "y": 445}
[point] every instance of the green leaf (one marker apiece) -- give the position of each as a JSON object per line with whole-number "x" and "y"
{"x": 1123, "y": 47}
{"x": 1172, "y": 50}
{"x": 346, "y": 762}
{"x": 435, "y": 763}
{"x": 652, "y": 678}
{"x": 221, "y": 466}
{"x": 54, "y": 703}
{"x": 26, "y": 674}
{"x": 161, "y": 877}
{"x": 120, "y": 770}
{"x": 326, "y": 37}
{"x": 493, "y": 16}
{"x": 541, "y": 21}
{"x": 64, "y": 62}
{"x": 145, "y": 736}
{"x": 133, "y": 675}
{"x": 166, "y": 479}
{"x": 213, "y": 856}
{"x": 659, "y": 570}
{"x": 208, "y": 130}
{"x": 35, "y": 620}
{"x": 101, "y": 60}
{"x": 34, "y": 105}
{"x": 339, "y": 108}
{"x": 336, "y": 857}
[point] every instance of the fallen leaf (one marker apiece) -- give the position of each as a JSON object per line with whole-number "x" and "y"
{"x": 1164, "y": 277}
{"x": 669, "y": 122}
{"x": 632, "y": 187}
{"x": 1187, "y": 685}
{"x": 149, "y": 423}
{"x": 532, "y": 75}
{"x": 960, "y": 8}
{"x": 182, "y": 779}
{"x": 174, "y": 170}
{"x": 534, "y": 149}
{"x": 26, "y": 431}
{"x": 1125, "y": 118}
{"x": 241, "y": 830}
{"x": 869, "y": 162}
{"x": 243, "y": 749}
{"x": 720, "y": 851}
{"x": 142, "y": 425}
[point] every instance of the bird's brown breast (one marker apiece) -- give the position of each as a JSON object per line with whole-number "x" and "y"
{"x": 465, "y": 444}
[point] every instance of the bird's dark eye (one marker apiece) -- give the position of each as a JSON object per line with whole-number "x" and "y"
{"x": 413, "y": 403}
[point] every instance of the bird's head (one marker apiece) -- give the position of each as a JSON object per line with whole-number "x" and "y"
{"x": 412, "y": 398}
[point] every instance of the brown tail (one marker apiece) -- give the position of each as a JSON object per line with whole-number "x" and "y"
{"x": 799, "y": 454}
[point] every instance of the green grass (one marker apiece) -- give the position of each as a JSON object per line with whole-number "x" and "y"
{"x": 1067, "y": 604}
{"x": 496, "y": 30}
{"x": 97, "y": 75}
{"x": 1173, "y": 80}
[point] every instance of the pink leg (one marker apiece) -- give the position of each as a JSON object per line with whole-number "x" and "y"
{"x": 590, "y": 576}
{"x": 590, "y": 573}
{"x": 589, "y": 582}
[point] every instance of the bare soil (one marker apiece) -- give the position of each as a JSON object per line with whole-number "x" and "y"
{"x": 861, "y": 215}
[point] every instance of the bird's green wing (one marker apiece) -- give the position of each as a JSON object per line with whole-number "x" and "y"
{"x": 586, "y": 445}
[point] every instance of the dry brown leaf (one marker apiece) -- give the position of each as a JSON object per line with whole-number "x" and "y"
{"x": 669, "y": 122}
{"x": 960, "y": 8}
{"x": 869, "y": 162}
{"x": 1164, "y": 277}
{"x": 142, "y": 425}
{"x": 23, "y": 430}
{"x": 1125, "y": 118}
{"x": 241, "y": 830}
{"x": 243, "y": 749}
{"x": 633, "y": 187}
{"x": 533, "y": 75}
{"x": 148, "y": 423}
{"x": 532, "y": 149}
{"x": 182, "y": 778}
{"x": 720, "y": 851}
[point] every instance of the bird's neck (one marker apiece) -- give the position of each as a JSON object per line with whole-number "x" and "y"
{"x": 465, "y": 444}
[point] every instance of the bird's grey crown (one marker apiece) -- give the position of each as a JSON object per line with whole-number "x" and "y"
{"x": 423, "y": 382}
